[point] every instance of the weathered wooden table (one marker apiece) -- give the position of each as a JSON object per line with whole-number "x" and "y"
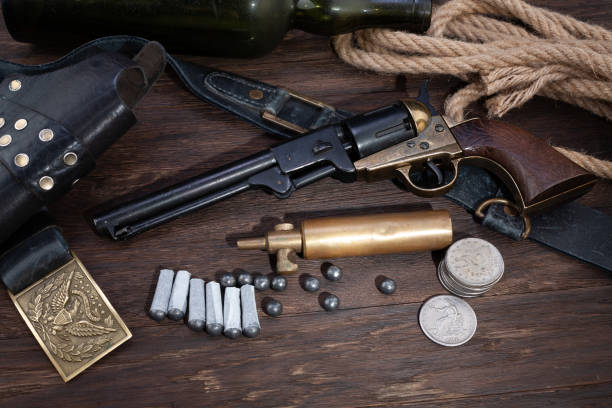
{"x": 544, "y": 331}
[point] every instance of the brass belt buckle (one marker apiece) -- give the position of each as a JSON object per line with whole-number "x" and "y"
{"x": 71, "y": 319}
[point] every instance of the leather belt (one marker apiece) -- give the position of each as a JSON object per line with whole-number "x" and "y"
{"x": 573, "y": 228}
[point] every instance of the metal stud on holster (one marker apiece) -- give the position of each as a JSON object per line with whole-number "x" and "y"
{"x": 336, "y": 237}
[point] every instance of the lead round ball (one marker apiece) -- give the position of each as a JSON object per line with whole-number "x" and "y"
{"x": 273, "y": 308}
{"x": 175, "y": 314}
{"x": 387, "y": 286}
{"x": 196, "y": 325}
{"x": 157, "y": 315}
{"x": 251, "y": 332}
{"x": 233, "y": 333}
{"x": 332, "y": 272}
{"x": 311, "y": 284}
{"x": 245, "y": 278}
{"x": 261, "y": 282}
{"x": 331, "y": 302}
{"x": 227, "y": 280}
{"x": 279, "y": 283}
{"x": 214, "y": 329}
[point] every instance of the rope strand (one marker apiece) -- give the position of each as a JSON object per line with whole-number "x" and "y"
{"x": 555, "y": 56}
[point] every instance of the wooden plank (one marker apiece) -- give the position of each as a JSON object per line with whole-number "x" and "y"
{"x": 356, "y": 357}
{"x": 597, "y": 395}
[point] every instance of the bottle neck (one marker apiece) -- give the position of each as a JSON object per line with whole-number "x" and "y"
{"x": 331, "y": 17}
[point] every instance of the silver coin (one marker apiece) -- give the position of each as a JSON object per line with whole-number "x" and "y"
{"x": 447, "y": 320}
{"x": 474, "y": 262}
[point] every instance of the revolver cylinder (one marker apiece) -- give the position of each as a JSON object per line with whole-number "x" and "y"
{"x": 336, "y": 237}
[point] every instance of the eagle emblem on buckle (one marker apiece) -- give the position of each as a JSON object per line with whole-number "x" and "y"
{"x": 71, "y": 318}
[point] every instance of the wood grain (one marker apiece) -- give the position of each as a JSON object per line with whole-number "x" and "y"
{"x": 544, "y": 331}
{"x": 539, "y": 171}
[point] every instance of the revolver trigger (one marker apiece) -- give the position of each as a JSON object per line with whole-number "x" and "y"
{"x": 403, "y": 174}
{"x": 433, "y": 167}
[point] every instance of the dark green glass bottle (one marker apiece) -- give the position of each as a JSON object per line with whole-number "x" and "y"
{"x": 239, "y": 28}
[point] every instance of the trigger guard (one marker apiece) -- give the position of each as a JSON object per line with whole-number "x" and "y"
{"x": 403, "y": 174}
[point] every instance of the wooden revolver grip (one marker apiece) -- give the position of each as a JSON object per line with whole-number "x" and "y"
{"x": 537, "y": 174}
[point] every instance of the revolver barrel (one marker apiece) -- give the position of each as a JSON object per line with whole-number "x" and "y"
{"x": 159, "y": 207}
{"x": 328, "y": 151}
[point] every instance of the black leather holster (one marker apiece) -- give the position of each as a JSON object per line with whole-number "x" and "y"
{"x": 56, "y": 119}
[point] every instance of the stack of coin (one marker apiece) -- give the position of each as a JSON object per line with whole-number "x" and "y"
{"x": 470, "y": 267}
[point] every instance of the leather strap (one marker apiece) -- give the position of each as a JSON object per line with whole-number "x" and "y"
{"x": 574, "y": 229}
{"x": 36, "y": 250}
{"x": 276, "y": 110}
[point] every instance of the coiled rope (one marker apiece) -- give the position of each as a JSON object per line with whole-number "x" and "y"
{"x": 546, "y": 54}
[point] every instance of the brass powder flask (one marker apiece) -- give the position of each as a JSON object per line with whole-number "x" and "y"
{"x": 336, "y": 237}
